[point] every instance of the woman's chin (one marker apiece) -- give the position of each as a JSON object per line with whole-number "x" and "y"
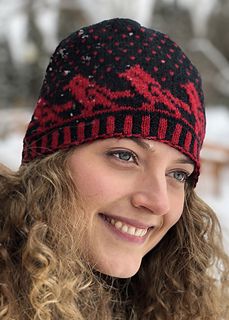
{"x": 120, "y": 270}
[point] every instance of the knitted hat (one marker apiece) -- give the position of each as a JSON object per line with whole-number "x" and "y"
{"x": 118, "y": 79}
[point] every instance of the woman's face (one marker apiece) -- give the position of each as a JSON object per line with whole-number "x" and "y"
{"x": 133, "y": 193}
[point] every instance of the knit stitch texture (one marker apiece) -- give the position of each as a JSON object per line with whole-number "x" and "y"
{"x": 118, "y": 79}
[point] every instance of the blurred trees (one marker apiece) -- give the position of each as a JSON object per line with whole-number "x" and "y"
{"x": 23, "y": 60}
{"x": 207, "y": 45}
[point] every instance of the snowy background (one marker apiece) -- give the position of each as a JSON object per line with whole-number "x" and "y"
{"x": 30, "y": 31}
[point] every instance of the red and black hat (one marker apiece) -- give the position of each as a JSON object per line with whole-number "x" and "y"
{"x": 118, "y": 79}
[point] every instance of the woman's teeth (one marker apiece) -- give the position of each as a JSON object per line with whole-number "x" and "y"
{"x": 128, "y": 229}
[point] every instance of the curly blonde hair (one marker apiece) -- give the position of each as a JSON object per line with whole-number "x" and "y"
{"x": 44, "y": 276}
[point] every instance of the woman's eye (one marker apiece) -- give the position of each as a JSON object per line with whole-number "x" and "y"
{"x": 124, "y": 155}
{"x": 180, "y": 176}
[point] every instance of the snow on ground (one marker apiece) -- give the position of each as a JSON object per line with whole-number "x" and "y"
{"x": 218, "y": 134}
{"x": 12, "y": 128}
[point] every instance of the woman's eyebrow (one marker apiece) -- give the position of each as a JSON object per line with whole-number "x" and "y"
{"x": 146, "y": 146}
{"x": 142, "y": 144}
{"x": 185, "y": 160}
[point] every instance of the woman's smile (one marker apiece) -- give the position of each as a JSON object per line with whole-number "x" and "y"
{"x": 122, "y": 228}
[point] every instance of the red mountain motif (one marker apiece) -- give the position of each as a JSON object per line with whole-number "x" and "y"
{"x": 89, "y": 94}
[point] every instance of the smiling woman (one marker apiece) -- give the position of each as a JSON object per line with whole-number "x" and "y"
{"x": 132, "y": 197}
{"x": 101, "y": 221}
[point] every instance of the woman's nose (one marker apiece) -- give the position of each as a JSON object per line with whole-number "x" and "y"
{"x": 151, "y": 194}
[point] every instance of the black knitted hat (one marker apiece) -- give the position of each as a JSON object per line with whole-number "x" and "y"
{"x": 118, "y": 79}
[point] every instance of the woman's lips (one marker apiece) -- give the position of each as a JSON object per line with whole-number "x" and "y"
{"x": 134, "y": 232}
{"x": 128, "y": 221}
